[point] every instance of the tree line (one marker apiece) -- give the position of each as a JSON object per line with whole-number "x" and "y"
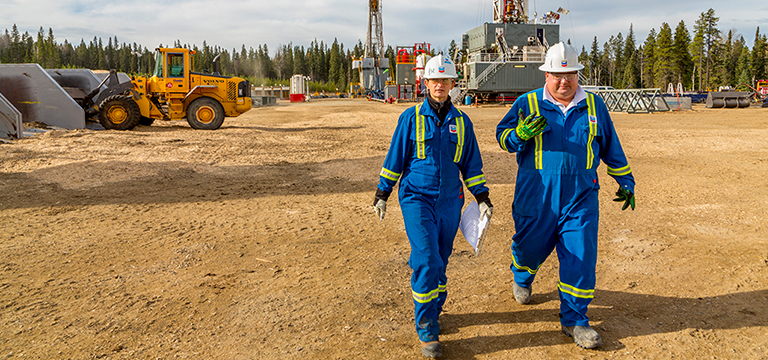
{"x": 703, "y": 59}
{"x": 329, "y": 67}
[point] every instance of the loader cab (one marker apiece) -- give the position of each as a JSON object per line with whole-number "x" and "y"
{"x": 171, "y": 74}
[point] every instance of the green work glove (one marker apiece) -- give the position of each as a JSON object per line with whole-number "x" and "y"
{"x": 627, "y": 197}
{"x": 529, "y": 127}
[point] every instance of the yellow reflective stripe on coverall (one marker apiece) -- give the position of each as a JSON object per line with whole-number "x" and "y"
{"x": 533, "y": 103}
{"x": 620, "y": 171}
{"x": 425, "y": 298}
{"x": 460, "y": 135}
{"x": 391, "y": 175}
{"x": 579, "y": 293}
{"x": 524, "y": 268}
{"x": 477, "y": 180}
{"x": 420, "y": 134}
{"x": 592, "y": 118}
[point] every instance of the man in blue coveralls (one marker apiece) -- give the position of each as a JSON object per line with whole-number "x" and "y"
{"x": 560, "y": 134}
{"x": 432, "y": 149}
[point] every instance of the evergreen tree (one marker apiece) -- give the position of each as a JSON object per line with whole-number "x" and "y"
{"x": 648, "y": 60}
{"x": 39, "y": 53}
{"x": 389, "y": 53}
{"x": 707, "y": 25}
{"x": 334, "y": 64}
{"x": 288, "y": 61}
{"x": 299, "y": 61}
{"x": 322, "y": 62}
{"x": 16, "y": 53}
{"x": 617, "y": 68}
{"x": 605, "y": 64}
{"x": 760, "y": 56}
{"x": 28, "y": 45}
{"x": 312, "y": 61}
{"x": 225, "y": 59}
{"x": 100, "y": 56}
{"x": 732, "y": 50}
{"x": 346, "y": 66}
{"x": 663, "y": 56}
{"x": 697, "y": 50}
{"x": 594, "y": 62}
{"x": 744, "y": 75}
{"x": 109, "y": 55}
{"x": 267, "y": 68}
{"x": 584, "y": 60}
{"x": 631, "y": 71}
{"x": 682, "y": 65}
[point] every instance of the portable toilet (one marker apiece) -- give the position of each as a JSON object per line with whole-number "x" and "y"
{"x": 298, "y": 88}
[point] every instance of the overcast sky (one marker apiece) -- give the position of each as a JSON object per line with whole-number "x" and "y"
{"x": 231, "y": 24}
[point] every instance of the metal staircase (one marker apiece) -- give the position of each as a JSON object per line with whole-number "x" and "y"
{"x": 504, "y": 54}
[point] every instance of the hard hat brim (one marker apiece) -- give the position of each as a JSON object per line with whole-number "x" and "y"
{"x": 547, "y": 68}
{"x": 440, "y": 76}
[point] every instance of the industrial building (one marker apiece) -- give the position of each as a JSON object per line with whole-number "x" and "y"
{"x": 500, "y": 60}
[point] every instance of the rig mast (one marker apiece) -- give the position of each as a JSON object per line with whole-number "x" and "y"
{"x": 374, "y": 41}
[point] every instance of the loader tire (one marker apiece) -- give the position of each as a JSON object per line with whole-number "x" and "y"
{"x": 119, "y": 112}
{"x": 205, "y": 114}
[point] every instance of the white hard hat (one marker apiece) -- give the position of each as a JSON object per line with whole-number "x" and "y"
{"x": 561, "y": 58}
{"x": 440, "y": 67}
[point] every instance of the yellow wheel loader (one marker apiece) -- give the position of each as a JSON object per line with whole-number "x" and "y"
{"x": 173, "y": 92}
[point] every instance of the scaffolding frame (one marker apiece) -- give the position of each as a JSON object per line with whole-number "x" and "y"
{"x": 634, "y": 100}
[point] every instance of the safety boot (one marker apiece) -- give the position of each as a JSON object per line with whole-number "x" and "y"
{"x": 522, "y": 294}
{"x": 584, "y": 336}
{"x": 431, "y": 349}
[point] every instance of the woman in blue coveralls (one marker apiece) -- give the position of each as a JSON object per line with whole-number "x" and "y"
{"x": 433, "y": 147}
{"x": 560, "y": 134}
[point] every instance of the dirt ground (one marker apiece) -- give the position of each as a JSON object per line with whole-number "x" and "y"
{"x": 258, "y": 241}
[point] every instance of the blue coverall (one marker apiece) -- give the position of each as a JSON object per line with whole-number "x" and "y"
{"x": 555, "y": 204}
{"x": 429, "y": 159}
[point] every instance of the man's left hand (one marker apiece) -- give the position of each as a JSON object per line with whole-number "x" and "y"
{"x": 627, "y": 197}
{"x": 485, "y": 208}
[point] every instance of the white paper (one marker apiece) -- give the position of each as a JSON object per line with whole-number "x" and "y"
{"x": 473, "y": 227}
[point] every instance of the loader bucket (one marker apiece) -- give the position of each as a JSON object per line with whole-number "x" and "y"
{"x": 76, "y": 82}
{"x": 727, "y": 99}
{"x": 38, "y": 97}
{"x": 123, "y": 77}
{"x": 10, "y": 120}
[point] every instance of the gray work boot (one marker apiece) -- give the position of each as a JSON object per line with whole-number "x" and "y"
{"x": 522, "y": 294}
{"x": 431, "y": 350}
{"x": 584, "y": 336}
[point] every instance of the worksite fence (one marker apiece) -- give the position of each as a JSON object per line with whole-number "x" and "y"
{"x": 634, "y": 100}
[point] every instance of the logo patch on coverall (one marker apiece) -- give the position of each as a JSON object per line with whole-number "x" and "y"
{"x": 592, "y": 119}
{"x": 453, "y": 129}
